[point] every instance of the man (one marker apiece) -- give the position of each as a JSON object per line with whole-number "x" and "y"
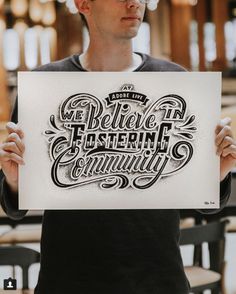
{"x": 102, "y": 251}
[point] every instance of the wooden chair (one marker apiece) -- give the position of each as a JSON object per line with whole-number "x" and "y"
{"x": 16, "y": 255}
{"x": 200, "y": 278}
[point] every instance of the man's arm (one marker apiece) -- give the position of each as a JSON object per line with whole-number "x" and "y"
{"x": 225, "y": 190}
{"x": 226, "y": 149}
{"x": 11, "y": 155}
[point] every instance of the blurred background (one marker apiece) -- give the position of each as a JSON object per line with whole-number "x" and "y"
{"x": 198, "y": 34}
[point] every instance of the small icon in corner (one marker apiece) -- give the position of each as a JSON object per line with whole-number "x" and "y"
{"x": 9, "y": 284}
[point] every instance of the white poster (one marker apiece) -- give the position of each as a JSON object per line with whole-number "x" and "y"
{"x": 140, "y": 140}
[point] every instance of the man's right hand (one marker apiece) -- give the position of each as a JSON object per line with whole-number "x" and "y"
{"x": 11, "y": 154}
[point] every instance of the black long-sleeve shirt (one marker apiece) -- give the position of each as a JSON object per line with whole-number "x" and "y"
{"x": 109, "y": 251}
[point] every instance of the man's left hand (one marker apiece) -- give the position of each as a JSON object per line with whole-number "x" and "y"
{"x": 226, "y": 147}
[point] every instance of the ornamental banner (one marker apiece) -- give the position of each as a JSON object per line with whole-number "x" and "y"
{"x": 138, "y": 140}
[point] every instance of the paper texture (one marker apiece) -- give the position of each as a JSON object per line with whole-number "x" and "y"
{"x": 140, "y": 140}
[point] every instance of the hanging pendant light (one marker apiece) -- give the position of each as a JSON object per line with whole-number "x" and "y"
{"x": 11, "y": 49}
{"x": 19, "y": 7}
{"x": 193, "y": 2}
{"x": 31, "y": 48}
{"x": 35, "y": 11}
{"x": 20, "y": 27}
{"x": 48, "y": 45}
{"x": 49, "y": 13}
{"x": 152, "y": 5}
{"x": 70, "y": 4}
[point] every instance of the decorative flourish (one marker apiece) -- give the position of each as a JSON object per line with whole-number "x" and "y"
{"x": 52, "y": 133}
{"x": 184, "y": 129}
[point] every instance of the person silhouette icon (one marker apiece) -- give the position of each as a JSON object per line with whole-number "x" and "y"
{"x": 10, "y": 284}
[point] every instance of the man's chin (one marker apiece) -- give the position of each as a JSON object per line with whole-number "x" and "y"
{"x": 131, "y": 33}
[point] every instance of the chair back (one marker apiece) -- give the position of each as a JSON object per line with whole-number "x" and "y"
{"x": 212, "y": 233}
{"x": 16, "y": 255}
{"x": 24, "y": 257}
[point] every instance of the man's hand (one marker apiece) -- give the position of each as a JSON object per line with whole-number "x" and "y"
{"x": 11, "y": 154}
{"x": 226, "y": 147}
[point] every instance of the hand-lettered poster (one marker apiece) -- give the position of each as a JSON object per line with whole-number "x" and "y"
{"x": 140, "y": 140}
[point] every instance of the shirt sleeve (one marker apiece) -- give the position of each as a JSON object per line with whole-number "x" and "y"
{"x": 9, "y": 201}
{"x": 225, "y": 191}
